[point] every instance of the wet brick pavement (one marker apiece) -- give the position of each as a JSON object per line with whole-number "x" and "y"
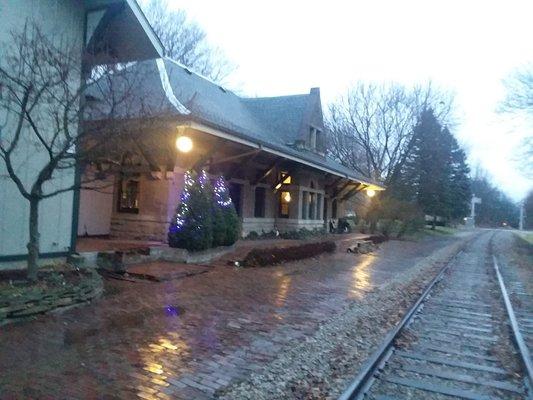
{"x": 183, "y": 339}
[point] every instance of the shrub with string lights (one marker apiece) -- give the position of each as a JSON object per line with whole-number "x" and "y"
{"x": 225, "y": 219}
{"x": 192, "y": 225}
{"x": 206, "y": 215}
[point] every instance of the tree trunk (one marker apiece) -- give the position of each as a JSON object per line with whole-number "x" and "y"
{"x": 33, "y": 244}
{"x": 434, "y": 223}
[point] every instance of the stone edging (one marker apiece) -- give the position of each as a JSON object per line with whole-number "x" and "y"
{"x": 13, "y": 308}
{"x": 117, "y": 261}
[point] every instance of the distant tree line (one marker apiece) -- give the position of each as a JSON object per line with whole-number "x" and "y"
{"x": 186, "y": 42}
{"x": 528, "y": 211}
{"x": 496, "y": 209}
{"x": 401, "y": 136}
{"x": 435, "y": 175}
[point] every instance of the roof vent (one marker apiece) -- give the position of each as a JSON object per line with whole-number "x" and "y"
{"x": 187, "y": 70}
{"x": 224, "y": 90}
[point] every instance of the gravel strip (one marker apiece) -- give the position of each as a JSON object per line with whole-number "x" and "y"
{"x": 323, "y": 365}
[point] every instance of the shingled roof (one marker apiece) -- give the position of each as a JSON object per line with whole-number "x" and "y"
{"x": 274, "y": 123}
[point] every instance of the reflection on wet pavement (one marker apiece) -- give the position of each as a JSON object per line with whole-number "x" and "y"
{"x": 362, "y": 276}
{"x": 184, "y": 339}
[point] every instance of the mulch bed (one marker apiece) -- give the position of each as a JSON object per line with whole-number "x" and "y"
{"x": 276, "y": 255}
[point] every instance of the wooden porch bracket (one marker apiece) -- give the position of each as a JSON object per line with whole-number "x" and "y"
{"x": 280, "y": 181}
{"x": 334, "y": 184}
{"x": 268, "y": 171}
{"x": 338, "y": 191}
{"x": 242, "y": 165}
{"x": 352, "y": 192}
{"x": 207, "y": 155}
{"x": 236, "y": 157}
{"x": 147, "y": 157}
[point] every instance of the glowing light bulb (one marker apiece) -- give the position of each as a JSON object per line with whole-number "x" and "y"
{"x": 370, "y": 193}
{"x": 184, "y": 144}
{"x": 287, "y": 197}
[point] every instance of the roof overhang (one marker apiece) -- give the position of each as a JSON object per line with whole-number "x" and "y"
{"x": 199, "y": 126}
{"x": 118, "y": 31}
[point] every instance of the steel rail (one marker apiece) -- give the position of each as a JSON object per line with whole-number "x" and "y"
{"x": 519, "y": 339}
{"x": 384, "y": 351}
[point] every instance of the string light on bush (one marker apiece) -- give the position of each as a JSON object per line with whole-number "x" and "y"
{"x": 221, "y": 193}
{"x": 203, "y": 178}
{"x": 180, "y": 217}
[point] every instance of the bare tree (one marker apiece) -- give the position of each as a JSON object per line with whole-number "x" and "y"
{"x": 519, "y": 99}
{"x": 43, "y": 86}
{"x": 371, "y": 127}
{"x": 185, "y": 41}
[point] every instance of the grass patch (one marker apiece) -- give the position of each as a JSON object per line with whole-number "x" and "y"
{"x": 277, "y": 255}
{"x": 527, "y": 236}
{"x": 524, "y": 250}
{"x": 428, "y": 232}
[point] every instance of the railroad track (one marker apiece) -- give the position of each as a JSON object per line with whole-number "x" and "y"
{"x": 461, "y": 339}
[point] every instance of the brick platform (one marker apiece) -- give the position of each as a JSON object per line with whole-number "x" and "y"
{"x": 185, "y": 338}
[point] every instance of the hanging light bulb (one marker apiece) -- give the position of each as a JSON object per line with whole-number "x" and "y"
{"x": 184, "y": 144}
{"x": 370, "y": 193}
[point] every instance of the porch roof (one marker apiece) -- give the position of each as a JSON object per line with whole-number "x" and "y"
{"x": 272, "y": 124}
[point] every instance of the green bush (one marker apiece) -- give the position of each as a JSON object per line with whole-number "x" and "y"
{"x": 205, "y": 217}
{"x": 252, "y": 235}
{"x": 363, "y": 226}
{"x": 192, "y": 225}
{"x": 277, "y": 255}
{"x": 225, "y": 219}
{"x": 394, "y": 218}
{"x": 303, "y": 234}
{"x": 346, "y": 224}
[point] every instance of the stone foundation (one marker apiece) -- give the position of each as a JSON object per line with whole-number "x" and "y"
{"x": 258, "y": 225}
{"x": 139, "y": 228}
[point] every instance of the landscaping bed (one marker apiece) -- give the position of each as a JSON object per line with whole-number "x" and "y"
{"x": 276, "y": 255}
{"x": 61, "y": 286}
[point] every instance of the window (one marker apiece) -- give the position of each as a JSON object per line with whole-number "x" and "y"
{"x": 235, "y": 194}
{"x": 284, "y": 201}
{"x": 128, "y": 195}
{"x": 318, "y": 205}
{"x": 312, "y": 206}
{"x": 305, "y": 204}
{"x": 259, "y": 206}
{"x": 312, "y": 138}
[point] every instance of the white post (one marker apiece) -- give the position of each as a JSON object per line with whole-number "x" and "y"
{"x": 475, "y": 200}
{"x": 521, "y": 220}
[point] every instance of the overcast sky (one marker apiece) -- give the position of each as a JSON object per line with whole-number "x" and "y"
{"x": 286, "y": 47}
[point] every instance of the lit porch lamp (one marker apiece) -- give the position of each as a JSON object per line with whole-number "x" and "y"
{"x": 184, "y": 144}
{"x": 370, "y": 193}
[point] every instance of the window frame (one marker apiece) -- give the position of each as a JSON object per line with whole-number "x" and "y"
{"x": 124, "y": 180}
{"x": 262, "y": 204}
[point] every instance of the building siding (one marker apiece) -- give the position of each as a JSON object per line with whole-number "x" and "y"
{"x": 60, "y": 20}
